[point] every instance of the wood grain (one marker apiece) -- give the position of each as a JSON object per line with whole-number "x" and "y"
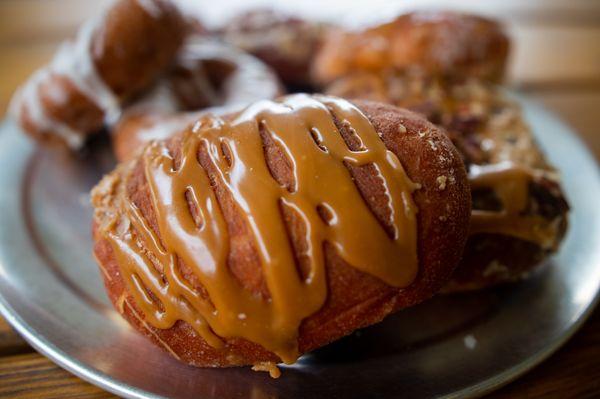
{"x": 10, "y": 341}
{"x": 33, "y": 376}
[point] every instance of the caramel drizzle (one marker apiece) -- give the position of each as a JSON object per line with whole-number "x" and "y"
{"x": 303, "y": 127}
{"x": 510, "y": 182}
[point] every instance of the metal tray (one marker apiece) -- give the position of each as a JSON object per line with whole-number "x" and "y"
{"x": 452, "y": 346}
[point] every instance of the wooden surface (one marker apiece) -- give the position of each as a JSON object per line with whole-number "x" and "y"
{"x": 556, "y": 60}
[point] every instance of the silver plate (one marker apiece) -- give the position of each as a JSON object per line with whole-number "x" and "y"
{"x": 452, "y": 346}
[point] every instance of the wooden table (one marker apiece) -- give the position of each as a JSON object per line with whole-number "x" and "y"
{"x": 556, "y": 61}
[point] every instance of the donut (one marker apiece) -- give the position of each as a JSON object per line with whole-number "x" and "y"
{"x": 207, "y": 76}
{"x": 286, "y": 43}
{"x": 520, "y": 214}
{"x": 254, "y": 237}
{"x": 448, "y": 44}
{"x": 135, "y": 130}
{"x": 113, "y": 57}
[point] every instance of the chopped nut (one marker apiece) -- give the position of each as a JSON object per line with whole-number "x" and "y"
{"x": 269, "y": 367}
{"x": 495, "y": 268}
{"x": 441, "y": 181}
{"x": 120, "y": 303}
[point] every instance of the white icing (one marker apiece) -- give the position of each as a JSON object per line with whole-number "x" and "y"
{"x": 75, "y": 61}
{"x": 161, "y": 97}
{"x": 151, "y": 7}
{"x": 250, "y": 81}
{"x": 28, "y": 98}
{"x": 163, "y": 130}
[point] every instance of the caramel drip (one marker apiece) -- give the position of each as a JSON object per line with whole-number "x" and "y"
{"x": 303, "y": 127}
{"x": 510, "y": 183}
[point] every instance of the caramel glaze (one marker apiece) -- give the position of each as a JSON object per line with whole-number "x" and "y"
{"x": 510, "y": 183}
{"x": 192, "y": 227}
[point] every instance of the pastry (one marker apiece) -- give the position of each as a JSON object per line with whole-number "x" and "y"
{"x": 113, "y": 57}
{"x": 252, "y": 238}
{"x": 286, "y": 43}
{"x": 206, "y": 76}
{"x": 519, "y": 210}
{"x": 445, "y": 44}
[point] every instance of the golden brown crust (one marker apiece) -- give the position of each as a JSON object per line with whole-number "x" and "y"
{"x": 432, "y": 43}
{"x": 355, "y": 299}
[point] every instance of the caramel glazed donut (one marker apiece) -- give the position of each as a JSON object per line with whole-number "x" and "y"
{"x": 232, "y": 243}
{"x": 519, "y": 211}
{"x": 207, "y": 76}
{"x": 113, "y": 57}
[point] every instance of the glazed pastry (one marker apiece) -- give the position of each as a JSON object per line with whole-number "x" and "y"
{"x": 252, "y": 238}
{"x": 286, "y": 43}
{"x": 207, "y": 76}
{"x": 519, "y": 210}
{"x": 113, "y": 57}
{"x": 443, "y": 44}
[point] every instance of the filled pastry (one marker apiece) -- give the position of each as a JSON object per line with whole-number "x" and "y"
{"x": 519, "y": 210}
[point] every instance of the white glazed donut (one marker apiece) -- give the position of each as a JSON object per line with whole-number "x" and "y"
{"x": 114, "y": 56}
{"x": 208, "y": 76}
